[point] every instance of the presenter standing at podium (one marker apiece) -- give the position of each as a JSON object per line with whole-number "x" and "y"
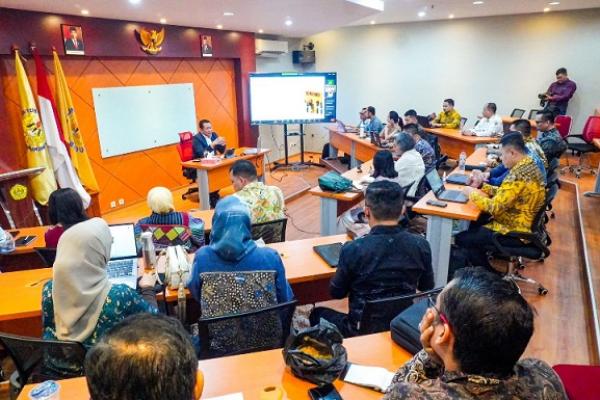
{"x": 207, "y": 141}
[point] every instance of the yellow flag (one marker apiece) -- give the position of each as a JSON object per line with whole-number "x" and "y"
{"x": 35, "y": 138}
{"x": 70, "y": 126}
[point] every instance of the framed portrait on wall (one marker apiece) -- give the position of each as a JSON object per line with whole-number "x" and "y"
{"x": 207, "y": 49}
{"x": 73, "y": 39}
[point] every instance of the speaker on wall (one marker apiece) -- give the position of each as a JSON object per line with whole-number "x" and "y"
{"x": 303, "y": 56}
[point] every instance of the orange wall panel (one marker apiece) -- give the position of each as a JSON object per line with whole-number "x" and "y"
{"x": 130, "y": 176}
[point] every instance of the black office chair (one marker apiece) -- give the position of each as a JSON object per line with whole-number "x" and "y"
{"x": 33, "y": 360}
{"x": 377, "y": 314}
{"x": 257, "y": 330}
{"x": 517, "y": 113}
{"x": 533, "y": 113}
{"x": 271, "y": 231}
{"x": 47, "y": 254}
{"x": 552, "y": 184}
{"x": 463, "y": 122}
{"x": 535, "y": 246}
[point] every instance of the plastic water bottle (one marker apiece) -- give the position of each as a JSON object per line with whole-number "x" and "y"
{"x": 462, "y": 161}
{"x": 7, "y": 243}
{"x": 148, "y": 251}
{"x": 181, "y": 303}
{"x": 48, "y": 390}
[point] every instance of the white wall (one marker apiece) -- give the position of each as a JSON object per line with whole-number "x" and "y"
{"x": 507, "y": 60}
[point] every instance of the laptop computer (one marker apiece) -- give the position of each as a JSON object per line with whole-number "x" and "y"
{"x": 440, "y": 192}
{"x": 458, "y": 179}
{"x": 123, "y": 266}
{"x": 341, "y": 127}
{"x": 330, "y": 253}
{"x": 376, "y": 139}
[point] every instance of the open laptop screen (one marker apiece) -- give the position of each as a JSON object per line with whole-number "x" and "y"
{"x": 435, "y": 181}
{"x": 123, "y": 245}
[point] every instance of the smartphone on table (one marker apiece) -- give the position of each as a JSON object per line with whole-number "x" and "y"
{"x": 24, "y": 240}
{"x": 325, "y": 392}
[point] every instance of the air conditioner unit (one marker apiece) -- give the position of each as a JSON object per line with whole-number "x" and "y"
{"x": 270, "y": 48}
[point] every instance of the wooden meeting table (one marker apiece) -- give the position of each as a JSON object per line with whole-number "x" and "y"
{"x": 21, "y": 291}
{"x": 360, "y": 149}
{"x": 249, "y": 374}
{"x": 215, "y": 176}
{"x": 439, "y": 222}
{"x": 453, "y": 142}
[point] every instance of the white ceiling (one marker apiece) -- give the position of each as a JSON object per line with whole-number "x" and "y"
{"x": 308, "y": 16}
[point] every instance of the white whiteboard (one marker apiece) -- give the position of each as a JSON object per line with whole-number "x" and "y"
{"x": 137, "y": 118}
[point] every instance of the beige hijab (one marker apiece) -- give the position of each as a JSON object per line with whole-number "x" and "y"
{"x": 80, "y": 283}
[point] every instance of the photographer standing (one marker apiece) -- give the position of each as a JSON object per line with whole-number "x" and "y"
{"x": 559, "y": 93}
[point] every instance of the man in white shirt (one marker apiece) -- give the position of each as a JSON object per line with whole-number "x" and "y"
{"x": 410, "y": 165}
{"x": 489, "y": 125}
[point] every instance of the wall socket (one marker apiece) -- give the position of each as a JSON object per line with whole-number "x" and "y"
{"x": 121, "y": 202}
{"x": 113, "y": 204}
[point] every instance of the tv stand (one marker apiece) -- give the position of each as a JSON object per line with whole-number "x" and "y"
{"x": 302, "y": 163}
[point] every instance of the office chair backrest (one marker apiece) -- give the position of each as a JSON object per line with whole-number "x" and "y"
{"x": 185, "y": 147}
{"x": 32, "y": 357}
{"x": 262, "y": 329}
{"x": 581, "y": 382}
{"x": 47, "y": 254}
{"x": 591, "y": 130}
{"x": 377, "y": 314}
{"x": 563, "y": 124}
{"x": 532, "y": 114}
{"x": 270, "y": 231}
{"x": 517, "y": 113}
{"x": 463, "y": 122}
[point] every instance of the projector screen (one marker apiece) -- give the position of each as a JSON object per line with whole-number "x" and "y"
{"x": 293, "y": 98}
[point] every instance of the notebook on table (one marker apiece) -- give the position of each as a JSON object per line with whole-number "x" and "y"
{"x": 330, "y": 253}
{"x": 123, "y": 266}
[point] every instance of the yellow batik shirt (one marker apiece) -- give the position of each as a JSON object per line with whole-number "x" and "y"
{"x": 513, "y": 204}
{"x": 450, "y": 119}
{"x": 265, "y": 202}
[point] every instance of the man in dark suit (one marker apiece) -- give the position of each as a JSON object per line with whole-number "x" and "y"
{"x": 74, "y": 43}
{"x": 207, "y": 141}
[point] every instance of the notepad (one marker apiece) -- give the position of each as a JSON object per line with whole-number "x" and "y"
{"x": 232, "y": 396}
{"x": 376, "y": 378}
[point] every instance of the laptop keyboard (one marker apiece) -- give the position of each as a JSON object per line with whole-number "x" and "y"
{"x": 119, "y": 268}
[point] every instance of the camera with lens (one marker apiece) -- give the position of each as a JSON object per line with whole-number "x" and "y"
{"x": 543, "y": 99}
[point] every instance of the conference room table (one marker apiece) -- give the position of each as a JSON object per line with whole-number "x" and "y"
{"x": 308, "y": 274}
{"x": 453, "y": 142}
{"x": 439, "y": 221}
{"x": 25, "y": 257}
{"x": 360, "y": 149}
{"x": 248, "y": 374}
{"x": 596, "y": 191}
{"x": 334, "y": 204}
{"x": 214, "y": 175}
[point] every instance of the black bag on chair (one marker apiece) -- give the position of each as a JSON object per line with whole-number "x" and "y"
{"x": 405, "y": 327}
{"x": 316, "y": 354}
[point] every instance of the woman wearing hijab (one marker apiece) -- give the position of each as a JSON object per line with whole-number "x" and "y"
{"x": 232, "y": 249}
{"x": 80, "y": 303}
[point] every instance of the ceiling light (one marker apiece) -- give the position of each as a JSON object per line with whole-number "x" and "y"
{"x": 478, "y": 3}
{"x": 219, "y": 26}
{"x": 546, "y": 9}
{"x": 372, "y": 22}
{"x": 421, "y": 14}
{"x": 228, "y": 14}
{"x": 260, "y": 31}
{"x": 85, "y": 12}
{"x": 554, "y": 3}
{"x": 163, "y": 20}
{"x": 135, "y": 1}
{"x": 451, "y": 16}
{"x": 288, "y": 22}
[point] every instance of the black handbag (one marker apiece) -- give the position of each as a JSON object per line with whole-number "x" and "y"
{"x": 316, "y": 354}
{"x": 405, "y": 327}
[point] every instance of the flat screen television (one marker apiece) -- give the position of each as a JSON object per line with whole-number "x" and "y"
{"x": 292, "y": 98}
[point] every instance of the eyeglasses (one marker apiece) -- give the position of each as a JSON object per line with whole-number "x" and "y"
{"x": 441, "y": 315}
